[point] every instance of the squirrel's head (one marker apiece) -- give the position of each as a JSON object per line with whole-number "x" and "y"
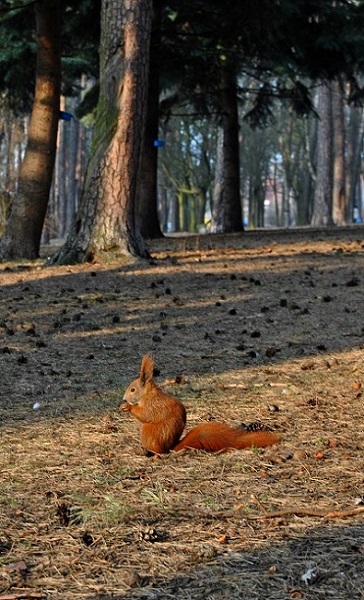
{"x": 135, "y": 391}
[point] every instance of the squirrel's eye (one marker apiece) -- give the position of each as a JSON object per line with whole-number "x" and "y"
{"x": 132, "y": 390}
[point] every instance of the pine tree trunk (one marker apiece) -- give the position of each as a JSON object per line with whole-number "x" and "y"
{"x": 339, "y": 174}
{"x": 24, "y": 228}
{"x": 62, "y": 170}
{"x": 323, "y": 192}
{"x": 309, "y": 173}
{"x": 147, "y": 187}
{"x": 107, "y": 220}
{"x": 218, "y": 192}
{"x": 355, "y": 141}
{"x": 69, "y": 208}
{"x": 233, "y": 220}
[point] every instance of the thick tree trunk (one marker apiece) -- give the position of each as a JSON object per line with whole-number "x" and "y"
{"x": 24, "y": 228}
{"x": 107, "y": 220}
{"x": 322, "y": 212}
{"x": 233, "y": 220}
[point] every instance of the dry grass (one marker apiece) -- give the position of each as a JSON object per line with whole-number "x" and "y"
{"x": 265, "y": 326}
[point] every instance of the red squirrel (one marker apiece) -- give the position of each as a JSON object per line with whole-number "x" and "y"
{"x": 163, "y": 419}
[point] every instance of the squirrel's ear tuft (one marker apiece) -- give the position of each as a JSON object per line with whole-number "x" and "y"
{"x": 146, "y": 369}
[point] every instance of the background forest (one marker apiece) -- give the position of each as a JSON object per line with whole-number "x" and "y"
{"x": 253, "y": 116}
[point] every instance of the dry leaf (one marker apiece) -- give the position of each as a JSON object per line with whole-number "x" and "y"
{"x": 16, "y": 567}
{"x": 320, "y": 455}
{"x": 223, "y": 539}
{"x": 299, "y": 455}
{"x": 308, "y": 365}
{"x": 295, "y": 593}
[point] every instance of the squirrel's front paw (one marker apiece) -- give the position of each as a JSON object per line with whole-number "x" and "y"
{"x": 125, "y": 406}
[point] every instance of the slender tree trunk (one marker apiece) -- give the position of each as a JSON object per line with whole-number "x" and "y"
{"x": 24, "y": 228}
{"x": 107, "y": 219}
{"x": 218, "y": 192}
{"x": 63, "y": 172}
{"x": 306, "y": 201}
{"x": 260, "y": 193}
{"x": 275, "y": 187}
{"x": 11, "y": 135}
{"x": 339, "y": 172}
{"x": 165, "y": 218}
{"x": 175, "y": 213}
{"x": 233, "y": 220}
{"x": 322, "y": 212}
{"x": 147, "y": 187}
{"x": 287, "y": 149}
{"x": 69, "y": 209}
{"x": 251, "y": 204}
{"x": 53, "y": 220}
{"x": 355, "y": 145}
{"x": 303, "y": 203}
{"x": 201, "y": 201}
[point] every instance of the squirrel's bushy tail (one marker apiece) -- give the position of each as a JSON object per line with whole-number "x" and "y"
{"x": 213, "y": 437}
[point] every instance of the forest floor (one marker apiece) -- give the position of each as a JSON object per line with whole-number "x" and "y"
{"x": 264, "y": 326}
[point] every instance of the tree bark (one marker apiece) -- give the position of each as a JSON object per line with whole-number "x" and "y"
{"x": 339, "y": 199}
{"x": 354, "y": 142}
{"x": 24, "y": 228}
{"x": 69, "y": 208}
{"x": 218, "y": 191}
{"x": 107, "y": 217}
{"x": 322, "y": 211}
{"x": 233, "y": 220}
{"x": 147, "y": 188}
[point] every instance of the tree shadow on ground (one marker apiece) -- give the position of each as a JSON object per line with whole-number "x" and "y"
{"x": 326, "y": 561}
{"x": 66, "y": 332}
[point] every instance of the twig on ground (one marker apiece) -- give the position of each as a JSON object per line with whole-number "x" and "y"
{"x": 23, "y": 596}
{"x": 305, "y": 512}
